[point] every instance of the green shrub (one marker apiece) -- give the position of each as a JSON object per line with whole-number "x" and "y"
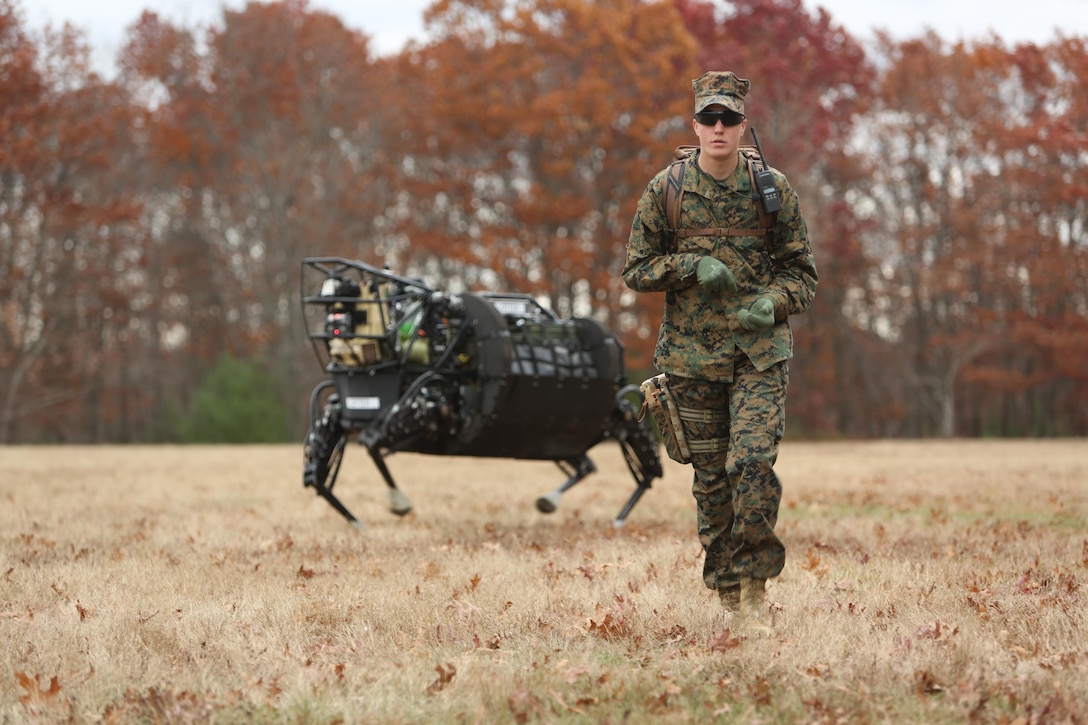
{"x": 238, "y": 403}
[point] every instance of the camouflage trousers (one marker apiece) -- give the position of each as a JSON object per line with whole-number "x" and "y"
{"x": 737, "y": 492}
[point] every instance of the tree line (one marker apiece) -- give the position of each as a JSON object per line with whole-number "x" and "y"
{"x": 152, "y": 222}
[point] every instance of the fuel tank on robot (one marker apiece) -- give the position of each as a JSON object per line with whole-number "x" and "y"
{"x": 548, "y": 385}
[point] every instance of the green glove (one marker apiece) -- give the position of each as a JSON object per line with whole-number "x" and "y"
{"x": 759, "y": 316}
{"x": 715, "y": 276}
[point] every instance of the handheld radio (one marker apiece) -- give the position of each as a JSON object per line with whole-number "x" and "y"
{"x": 764, "y": 179}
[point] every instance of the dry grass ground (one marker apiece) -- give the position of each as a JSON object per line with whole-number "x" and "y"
{"x": 926, "y": 582}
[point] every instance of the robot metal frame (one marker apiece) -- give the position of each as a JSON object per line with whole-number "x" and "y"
{"x": 485, "y": 374}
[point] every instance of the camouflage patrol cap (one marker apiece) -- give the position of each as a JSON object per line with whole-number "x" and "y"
{"x": 722, "y": 87}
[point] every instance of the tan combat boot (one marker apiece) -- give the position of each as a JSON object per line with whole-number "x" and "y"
{"x": 753, "y": 607}
{"x": 730, "y": 598}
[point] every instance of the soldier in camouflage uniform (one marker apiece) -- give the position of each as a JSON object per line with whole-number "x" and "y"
{"x": 730, "y": 285}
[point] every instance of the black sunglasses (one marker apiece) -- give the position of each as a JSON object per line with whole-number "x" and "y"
{"x": 711, "y": 118}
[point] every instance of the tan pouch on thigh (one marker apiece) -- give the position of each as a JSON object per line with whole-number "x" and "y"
{"x": 657, "y": 399}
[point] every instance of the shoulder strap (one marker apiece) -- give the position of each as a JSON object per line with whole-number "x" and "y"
{"x": 674, "y": 186}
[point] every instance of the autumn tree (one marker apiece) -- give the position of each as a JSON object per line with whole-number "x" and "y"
{"x": 22, "y": 337}
{"x": 981, "y": 226}
{"x": 185, "y": 319}
{"x": 152, "y": 223}
{"x": 69, "y": 248}
{"x": 1030, "y": 377}
{"x": 299, "y": 101}
{"x": 530, "y": 168}
{"x": 264, "y": 146}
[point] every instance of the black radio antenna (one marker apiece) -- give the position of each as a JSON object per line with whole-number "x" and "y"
{"x": 759, "y": 148}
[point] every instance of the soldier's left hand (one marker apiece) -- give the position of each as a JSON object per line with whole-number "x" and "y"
{"x": 760, "y": 316}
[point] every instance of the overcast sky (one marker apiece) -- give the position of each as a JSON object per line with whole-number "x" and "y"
{"x": 390, "y": 23}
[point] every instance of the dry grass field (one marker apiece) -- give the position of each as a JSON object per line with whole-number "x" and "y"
{"x": 935, "y": 582}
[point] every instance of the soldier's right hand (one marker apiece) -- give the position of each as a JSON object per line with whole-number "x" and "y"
{"x": 715, "y": 276}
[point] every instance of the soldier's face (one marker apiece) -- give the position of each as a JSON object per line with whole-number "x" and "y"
{"x": 718, "y": 140}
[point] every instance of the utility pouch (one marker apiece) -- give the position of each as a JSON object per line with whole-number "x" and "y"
{"x": 657, "y": 399}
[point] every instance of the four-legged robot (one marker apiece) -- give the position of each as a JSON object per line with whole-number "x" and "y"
{"x": 485, "y": 374}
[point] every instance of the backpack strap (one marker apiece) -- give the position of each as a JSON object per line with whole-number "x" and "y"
{"x": 674, "y": 197}
{"x": 674, "y": 190}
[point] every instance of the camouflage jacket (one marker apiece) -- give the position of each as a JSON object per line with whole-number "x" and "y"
{"x": 700, "y": 333}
